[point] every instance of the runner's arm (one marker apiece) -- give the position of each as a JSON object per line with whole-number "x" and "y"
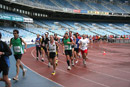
{"x": 24, "y": 44}
{"x": 57, "y": 46}
{"x": 70, "y": 42}
{"x": 6, "y": 51}
{"x": 10, "y": 45}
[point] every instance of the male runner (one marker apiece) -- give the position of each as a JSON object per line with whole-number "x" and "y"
{"x": 67, "y": 42}
{"x": 83, "y": 43}
{"x": 16, "y": 42}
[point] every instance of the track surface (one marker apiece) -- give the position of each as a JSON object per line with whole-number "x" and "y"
{"x": 110, "y": 70}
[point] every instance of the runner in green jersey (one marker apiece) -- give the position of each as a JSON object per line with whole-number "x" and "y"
{"x": 67, "y": 42}
{"x": 16, "y": 42}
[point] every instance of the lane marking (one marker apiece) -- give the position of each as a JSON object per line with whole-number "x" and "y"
{"x": 101, "y": 73}
{"x": 73, "y": 74}
{"x": 41, "y": 75}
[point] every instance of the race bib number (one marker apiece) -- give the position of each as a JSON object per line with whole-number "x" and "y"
{"x": 84, "y": 44}
{"x": 37, "y": 43}
{"x": 16, "y": 48}
{"x": 66, "y": 47}
{"x": 51, "y": 49}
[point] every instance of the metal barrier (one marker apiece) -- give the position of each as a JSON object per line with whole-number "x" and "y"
{"x": 119, "y": 40}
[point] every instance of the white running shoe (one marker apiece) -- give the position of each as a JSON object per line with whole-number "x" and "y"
{"x": 42, "y": 59}
{"x": 37, "y": 58}
{"x": 76, "y": 61}
{"x": 72, "y": 62}
{"x": 24, "y": 72}
{"x": 49, "y": 64}
{"x": 84, "y": 62}
{"x": 15, "y": 78}
{"x": 9, "y": 79}
{"x": 69, "y": 68}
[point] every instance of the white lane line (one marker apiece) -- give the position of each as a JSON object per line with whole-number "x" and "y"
{"x": 100, "y": 60}
{"x": 74, "y": 74}
{"x": 101, "y": 73}
{"x": 41, "y": 75}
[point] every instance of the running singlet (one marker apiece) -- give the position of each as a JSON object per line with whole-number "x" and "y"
{"x": 46, "y": 42}
{"x": 52, "y": 47}
{"x": 17, "y": 46}
{"x": 84, "y": 43}
{"x": 56, "y": 39}
{"x": 67, "y": 46}
{"x": 38, "y": 43}
{"x": 42, "y": 42}
{"x": 77, "y": 44}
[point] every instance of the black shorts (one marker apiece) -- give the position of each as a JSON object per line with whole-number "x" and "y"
{"x": 18, "y": 56}
{"x": 68, "y": 52}
{"x": 77, "y": 50}
{"x": 4, "y": 70}
{"x": 72, "y": 46}
{"x": 45, "y": 49}
{"x": 52, "y": 55}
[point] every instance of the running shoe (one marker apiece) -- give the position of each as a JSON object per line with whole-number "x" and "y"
{"x": 49, "y": 64}
{"x": 53, "y": 73}
{"x": 37, "y": 58}
{"x": 76, "y": 61}
{"x": 69, "y": 68}
{"x": 84, "y": 62}
{"x": 42, "y": 59}
{"x": 24, "y": 72}
{"x": 72, "y": 62}
{"x": 15, "y": 78}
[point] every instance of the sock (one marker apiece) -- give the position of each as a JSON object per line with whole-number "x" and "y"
{"x": 68, "y": 62}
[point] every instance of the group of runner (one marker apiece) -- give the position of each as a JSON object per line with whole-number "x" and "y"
{"x": 73, "y": 45}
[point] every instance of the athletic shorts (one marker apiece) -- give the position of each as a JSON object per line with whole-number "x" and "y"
{"x": 68, "y": 52}
{"x": 44, "y": 49}
{"x": 72, "y": 46}
{"x": 84, "y": 51}
{"x": 4, "y": 70}
{"x": 77, "y": 50}
{"x": 52, "y": 55}
{"x": 18, "y": 56}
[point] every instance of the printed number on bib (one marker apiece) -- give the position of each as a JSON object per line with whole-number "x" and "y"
{"x": 84, "y": 44}
{"x": 37, "y": 43}
{"x": 16, "y": 48}
{"x": 66, "y": 47}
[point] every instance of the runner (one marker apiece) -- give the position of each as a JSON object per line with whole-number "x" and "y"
{"x": 52, "y": 52}
{"x": 67, "y": 42}
{"x": 43, "y": 48}
{"x": 57, "y": 40}
{"x": 38, "y": 47}
{"x": 5, "y": 52}
{"x": 71, "y": 36}
{"x": 46, "y": 43}
{"x": 83, "y": 43}
{"x": 16, "y": 42}
{"x": 76, "y": 47}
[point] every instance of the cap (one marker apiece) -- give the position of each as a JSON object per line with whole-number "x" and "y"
{"x": 77, "y": 33}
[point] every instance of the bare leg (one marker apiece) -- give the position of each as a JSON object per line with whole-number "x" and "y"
{"x": 7, "y": 82}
